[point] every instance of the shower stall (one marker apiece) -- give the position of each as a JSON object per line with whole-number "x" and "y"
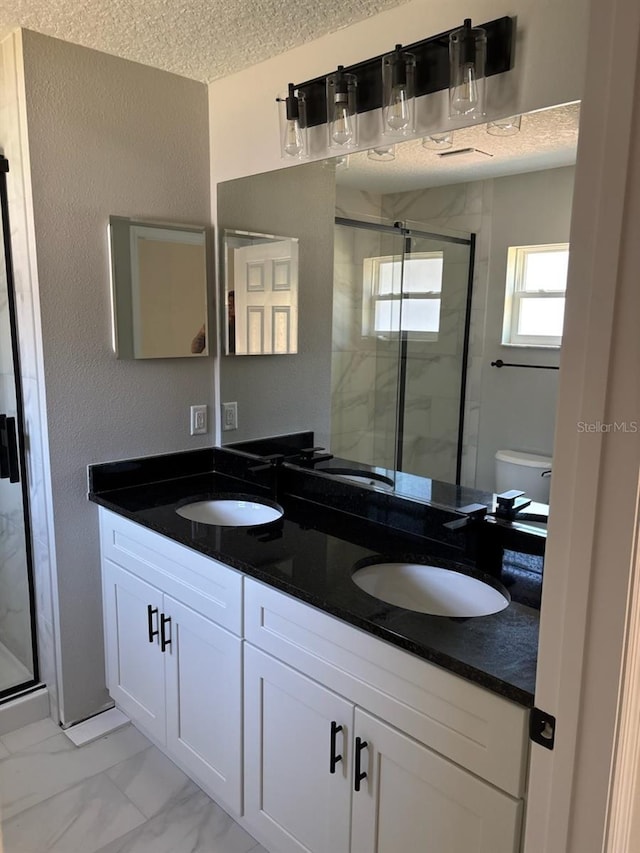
{"x": 400, "y": 342}
{"x": 18, "y": 659}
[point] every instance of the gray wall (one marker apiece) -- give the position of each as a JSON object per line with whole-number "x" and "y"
{"x": 106, "y": 136}
{"x": 284, "y": 393}
{"x": 519, "y": 406}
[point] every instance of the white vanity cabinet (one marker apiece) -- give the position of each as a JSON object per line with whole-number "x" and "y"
{"x": 337, "y": 692}
{"x": 319, "y": 737}
{"x": 173, "y": 651}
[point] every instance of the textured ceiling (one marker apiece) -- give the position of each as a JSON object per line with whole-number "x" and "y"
{"x": 201, "y": 39}
{"x": 546, "y": 139}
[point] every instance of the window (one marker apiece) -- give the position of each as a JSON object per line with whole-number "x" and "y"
{"x": 411, "y": 305}
{"x": 535, "y": 295}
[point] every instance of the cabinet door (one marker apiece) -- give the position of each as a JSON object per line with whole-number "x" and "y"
{"x": 415, "y": 801}
{"x": 292, "y": 799}
{"x": 135, "y": 669}
{"x": 203, "y": 667}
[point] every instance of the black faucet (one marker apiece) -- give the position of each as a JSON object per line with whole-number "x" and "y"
{"x": 508, "y": 504}
{"x": 310, "y": 456}
{"x": 270, "y": 463}
{"x": 265, "y": 463}
{"x": 468, "y": 514}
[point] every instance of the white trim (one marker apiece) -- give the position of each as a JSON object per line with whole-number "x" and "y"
{"x": 625, "y": 796}
{"x": 594, "y": 488}
{"x": 516, "y": 293}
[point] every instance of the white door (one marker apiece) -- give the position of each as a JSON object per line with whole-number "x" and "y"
{"x": 266, "y": 298}
{"x": 413, "y": 800}
{"x": 292, "y": 798}
{"x": 203, "y": 667}
{"x": 135, "y": 668}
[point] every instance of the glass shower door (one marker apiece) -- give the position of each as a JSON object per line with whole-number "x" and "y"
{"x": 17, "y": 653}
{"x": 436, "y": 292}
{"x": 364, "y": 377}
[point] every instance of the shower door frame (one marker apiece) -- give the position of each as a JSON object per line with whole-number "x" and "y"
{"x": 401, "y": 230}
{"x": 26, "y": 686}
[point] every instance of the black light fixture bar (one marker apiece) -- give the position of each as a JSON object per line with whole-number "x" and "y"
{"x": 432, "y": 70}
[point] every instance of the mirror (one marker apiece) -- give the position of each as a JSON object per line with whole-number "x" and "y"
{"x": 260, "y": 293}
{"x": 421, "y": 395}
{"x": 158, "y": 289}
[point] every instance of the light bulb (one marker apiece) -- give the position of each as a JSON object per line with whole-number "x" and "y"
{"x": 465, "y": 95}
{"x": 398, "y": 111}
{"x": 293, "y": 132}
{"x": 293, "y": 138}
{"x": 342, "y": 123}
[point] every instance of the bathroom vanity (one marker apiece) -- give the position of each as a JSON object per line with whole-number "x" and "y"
{"x": 321, "y": 717}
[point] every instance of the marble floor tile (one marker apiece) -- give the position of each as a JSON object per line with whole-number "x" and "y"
{"x": 79, "y": 820}
{"x": 151, "y": 781}
{"x": 193, "y": 825}
{"x": 47, "y": 768}
{"x": 30, "y": 735}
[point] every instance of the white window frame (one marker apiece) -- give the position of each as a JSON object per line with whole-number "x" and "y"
{"x": 516, "y": 294}
{"x": 370, "y": 281}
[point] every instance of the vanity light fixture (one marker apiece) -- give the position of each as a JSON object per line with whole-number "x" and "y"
{"x": 508, "y": 126}
{"x": 438, "y": 141}
{"x": 341, "y": 109}
{"x": 398, "y": 77}
{"x": 381, "y": 155}
{"x": 293, "y": 125}
{"x": 458, "y": 60}
{"x": 467, "y": 58}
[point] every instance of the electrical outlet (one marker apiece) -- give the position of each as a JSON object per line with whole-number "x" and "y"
{"x": 198, "y": 420}
{"x": 229, "y": 416}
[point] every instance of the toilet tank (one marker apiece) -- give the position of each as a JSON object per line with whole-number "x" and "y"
{"x": 517, "y": 470}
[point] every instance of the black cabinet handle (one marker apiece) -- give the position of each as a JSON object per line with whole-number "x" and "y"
{"x": 151, "y": 612}
{"x": 333, "y": 758}
{"x": 359, "y": 774}
{"x": 164, "y": 642}
{"x": 9, "y": 468}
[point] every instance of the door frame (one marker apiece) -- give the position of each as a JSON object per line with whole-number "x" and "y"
{"x": 584, "y": 666}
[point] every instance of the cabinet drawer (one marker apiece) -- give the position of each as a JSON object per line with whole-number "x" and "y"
{"x": 202, "y": 583}
{"x": 469, "y": 725}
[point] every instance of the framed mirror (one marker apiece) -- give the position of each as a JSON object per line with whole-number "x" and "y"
{"x": 260, "y": 293}
{"x": 158, "y": 289}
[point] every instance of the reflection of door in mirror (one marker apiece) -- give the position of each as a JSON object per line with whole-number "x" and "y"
{"x": 264, "y": 299}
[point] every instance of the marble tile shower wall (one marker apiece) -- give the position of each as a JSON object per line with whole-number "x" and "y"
{"x": 364, "y": 369}
{"x": 459, "y": 207}
{"x": 12, "y": 140}
{"x": 15, "y": 633}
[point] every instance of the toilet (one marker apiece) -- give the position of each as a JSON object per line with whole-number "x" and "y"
{"x": 517, "y": 470}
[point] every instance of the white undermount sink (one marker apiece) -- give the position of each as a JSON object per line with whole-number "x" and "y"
{"x": 231, "y": 512}
{"x": 430, "y": 589}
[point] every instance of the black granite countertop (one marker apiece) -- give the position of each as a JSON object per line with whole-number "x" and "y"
{"x": 311, "y": 552}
